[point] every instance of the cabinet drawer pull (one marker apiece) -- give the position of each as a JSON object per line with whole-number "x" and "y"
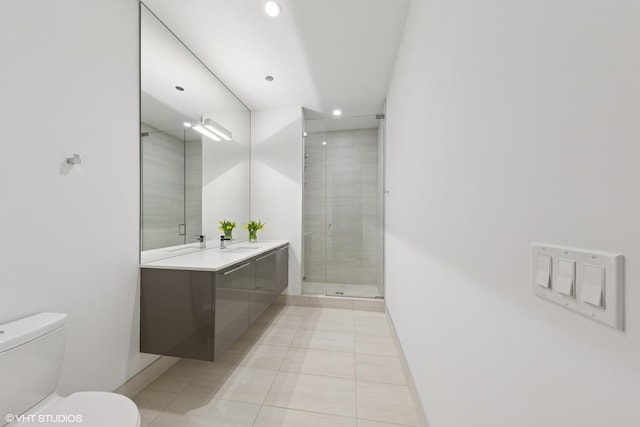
{"x": 285, "y": 248}
{"x": 237, "y": 268}
{"x": 263, "y": 257}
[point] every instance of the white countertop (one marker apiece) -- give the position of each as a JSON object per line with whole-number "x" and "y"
{"x": 209, "y": 259}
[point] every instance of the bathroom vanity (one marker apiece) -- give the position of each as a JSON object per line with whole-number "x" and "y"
{"x": 196, "y": 305}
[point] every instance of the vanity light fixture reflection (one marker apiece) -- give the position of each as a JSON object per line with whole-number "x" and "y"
{"x": 210, "y": 129}
{"x": 199, "y": 127}
{"x": 217, "y": 129}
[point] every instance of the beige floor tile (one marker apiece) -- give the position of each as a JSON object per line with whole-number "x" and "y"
{"x": 173, "y": 420}
{"x": 381, "y": 346}
{"x": 269, "y": 335}
{"x": 296, "y": 366}
{"x": 331, "y": 314}
{"x": 156, "y": 400}
{"x": 270, "y": 416}
{"x": 320, "y": 362}
{"x": 319, "y": 340}
{"x": 379, "y": 369}
{"x": 147, "y": 417}
{"x": 151, "y": 403}
{"x": 371, "y": 324}
{"x": 170, "y": 383}
{"x": 369, "y": 423}
{"x": 328, "y": 302}
{"x": 340, "y": 326}
{"x": 258, "y": 356}
{"x": 242, "y": 383}
{"x": 248, "y": 384}
{"x": 313, "y": 393}
{"x": 179, "y": 420}
{"x": 190, "y": 368}
{"x": 217, "y": 373}
{"x": 287, "y": 322}
{"x": 381, "y": 330}
{"x": 387, "y": 403}
{"x": 292, "y": 300}
{"x": 285, "y": 310}
{"x": 219, "y": 411}
{"x": 375, "y": 305}
{"x": 370, "y": 315}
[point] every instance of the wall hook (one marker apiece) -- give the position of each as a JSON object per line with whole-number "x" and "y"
{"x": 75, "y": 160}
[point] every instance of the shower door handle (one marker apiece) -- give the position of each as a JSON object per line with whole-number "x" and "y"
{"x": 329, "y": 231}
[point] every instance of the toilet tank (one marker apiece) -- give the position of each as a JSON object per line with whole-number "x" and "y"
{"x": 31, "y": 355}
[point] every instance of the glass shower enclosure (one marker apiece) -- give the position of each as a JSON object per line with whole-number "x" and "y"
{"x": 343, "y": 223}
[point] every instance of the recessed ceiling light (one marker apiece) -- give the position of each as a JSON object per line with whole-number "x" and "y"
{"x": 269, "y": 78}
{"x": 324, "y": 142}
{"x": 337, "y": 112}
{"x": 272, "y": 8}
{"x": 187, "y": 124}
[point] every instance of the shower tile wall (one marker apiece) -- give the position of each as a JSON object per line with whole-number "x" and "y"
{"x": 193, "y": 188}
{"x": 163, "y": 188}
{"x": 341, "y": 189}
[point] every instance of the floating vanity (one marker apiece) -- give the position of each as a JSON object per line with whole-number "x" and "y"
{"x": 197, "y": 304}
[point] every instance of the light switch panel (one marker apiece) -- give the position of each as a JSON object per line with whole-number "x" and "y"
{"x": 593, "y": 285}
{"x": 543, "y": 271}
{"x": 566, "y": 278}
{"x": 585, "y": 281}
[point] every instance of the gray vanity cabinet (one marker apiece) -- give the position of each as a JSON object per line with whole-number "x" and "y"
{"x": 233, "y": 288}
{"x": 264, "y": 286}
{"x": 176, "y": 313}
{"x": 282, "y": 269}
{"x": 198, "y": 314}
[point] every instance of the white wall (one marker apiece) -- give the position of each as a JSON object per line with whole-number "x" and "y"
{"x": 70, "y": 236}
{"x": 276, "y": 182}
{"x": 512, "y": 122}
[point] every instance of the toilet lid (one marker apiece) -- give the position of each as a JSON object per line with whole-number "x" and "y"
{"x": 91, "y": 409}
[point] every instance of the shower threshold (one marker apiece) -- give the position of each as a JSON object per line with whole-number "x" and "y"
{"x": 345, "y": 290}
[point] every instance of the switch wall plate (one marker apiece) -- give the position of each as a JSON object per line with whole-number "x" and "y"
{"x": 598, "y": 284}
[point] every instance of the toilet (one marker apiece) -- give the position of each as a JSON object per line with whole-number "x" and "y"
{"x": 31, "y": 355}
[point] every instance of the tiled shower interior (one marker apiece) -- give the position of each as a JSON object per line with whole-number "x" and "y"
{"x": 172, "y": 193}
{"x": 343, "y": 213}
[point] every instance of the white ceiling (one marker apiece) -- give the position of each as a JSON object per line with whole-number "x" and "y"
{"x": 323, "y": 54}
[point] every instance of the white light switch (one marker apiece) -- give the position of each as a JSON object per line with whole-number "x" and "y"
{"x": 593, "y": 285}
{"x": 543, "y": 271}
{"x": 566, "y": 278}
{"x": 586, "y": 281}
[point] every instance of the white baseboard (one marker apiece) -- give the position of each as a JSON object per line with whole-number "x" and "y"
{"x": 417, "y": 402}
{"x": 145, "y": 377}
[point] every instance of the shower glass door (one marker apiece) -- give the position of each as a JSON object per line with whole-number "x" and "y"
{"x": 343, "y": 209}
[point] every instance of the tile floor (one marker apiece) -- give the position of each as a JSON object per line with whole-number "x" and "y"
{"x": 296, "y": 366}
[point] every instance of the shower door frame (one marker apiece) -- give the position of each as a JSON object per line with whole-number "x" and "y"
{"x": 333, "y": 289}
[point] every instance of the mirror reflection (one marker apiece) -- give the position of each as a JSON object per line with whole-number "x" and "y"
{"x": 195, "y": 145}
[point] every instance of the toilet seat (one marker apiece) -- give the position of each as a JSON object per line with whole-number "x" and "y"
{"x": 96, "y": 409}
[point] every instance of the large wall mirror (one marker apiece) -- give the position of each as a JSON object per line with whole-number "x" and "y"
{"x": 189, "y": 181}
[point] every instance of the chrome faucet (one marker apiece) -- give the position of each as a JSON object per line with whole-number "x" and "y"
{"x": 222, "y": 239}
{"x": 202, "y": 239}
